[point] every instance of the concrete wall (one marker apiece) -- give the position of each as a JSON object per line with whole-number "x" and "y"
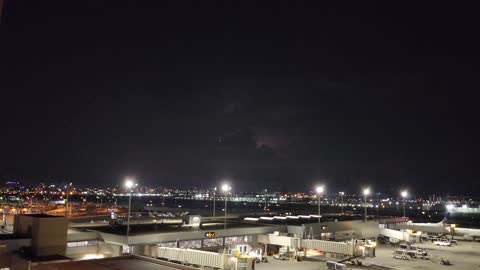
{"x": 74, "y": 251}
{"x": 22, "y": 225}
{"x": 75, "y": 235}
{"x": 109, "y": 250}
{"x": 49, "y": 236}
{"x": 48, "y": 233}
{"x": 14, "y": 244}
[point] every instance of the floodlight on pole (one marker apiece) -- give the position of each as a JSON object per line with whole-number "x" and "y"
{"x": 66, "y": 201}
{"x": 366, "y": 192}
{"x": 214, "y": 199}
{"x": 265, "y": 208}
{"x": 341, "y": 195}
{"x": 225, "y": 188}
{"x": 129, "y": 183}
{"x": 404, "y": 196}
{"x": 319, "y": 190}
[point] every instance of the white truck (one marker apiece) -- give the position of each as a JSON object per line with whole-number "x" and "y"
{"x": 443, "y": 242}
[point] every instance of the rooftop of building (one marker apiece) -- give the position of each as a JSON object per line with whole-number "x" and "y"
{"x": 117, "y": 263}
{"x": 42, "y": 216}
{"x": 169, "y": 228}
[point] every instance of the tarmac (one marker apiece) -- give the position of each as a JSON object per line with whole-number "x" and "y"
{"x": 464, "y": 256}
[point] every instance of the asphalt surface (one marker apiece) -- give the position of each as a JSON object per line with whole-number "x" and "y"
{"x": 464, "y": 256}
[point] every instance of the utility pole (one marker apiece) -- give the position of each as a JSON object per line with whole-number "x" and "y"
{"x": 214, "y": 200}
{"x": 265, "y": 209}
{"x": 66, "y": 201}
{"x": 341, "y": 195}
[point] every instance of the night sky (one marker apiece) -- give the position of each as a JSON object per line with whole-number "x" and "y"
{"x": 271, "y": 94}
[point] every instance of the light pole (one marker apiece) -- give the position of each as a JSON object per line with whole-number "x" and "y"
{"x": 129, "y": 183}
{"x": 265, "y": 208}
{"x": 101, "y": 202}
{"x": 225, "y": 188}
{"x": 66, "y": 201}
{"x": 341, "y": 196}
{"x": 214, "y": 193}
{"x": 404, "y": 196}
{"x": 319, "y": 190}
{"x": 365, "y": 194}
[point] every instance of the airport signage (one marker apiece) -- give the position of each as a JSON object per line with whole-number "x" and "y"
{"x": 210, "y": 234}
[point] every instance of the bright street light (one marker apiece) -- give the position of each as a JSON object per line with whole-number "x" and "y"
{"x": 129, "y": 183}
{"x": 319, "y": 190}
{"x": 214, "y": 193}
{"x": 365, "y": 193}
{"x": 265, "y": 208}
{"x": 404, "y": 196}
{"x": 66, "y": 201}
{"x": 342, "y": 194}
{"x": 225, "y": 188}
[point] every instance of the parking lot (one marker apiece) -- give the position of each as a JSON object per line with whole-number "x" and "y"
{"x": 465, "y": 255}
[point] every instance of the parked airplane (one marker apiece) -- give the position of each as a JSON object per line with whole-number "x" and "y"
{"x": 443, "y": 227}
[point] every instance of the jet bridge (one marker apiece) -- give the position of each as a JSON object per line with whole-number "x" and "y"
{"x": 193, "y": 257}
{"x": 350, "y": 248}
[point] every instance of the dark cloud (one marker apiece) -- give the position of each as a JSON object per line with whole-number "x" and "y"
{"x": 276, "y": 95}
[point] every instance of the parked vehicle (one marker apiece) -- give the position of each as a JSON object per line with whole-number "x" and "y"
{"x": 412, "y": 254}
{"x": 445, "y": 262}
{"x": 280, "y": 256}
{"x": 422, "y": 254}
{"x": 443, "y": 242}
{"x": 258, "y": 256}
{"x": 400, "y": 254}
{"x": 336, "y": 266}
